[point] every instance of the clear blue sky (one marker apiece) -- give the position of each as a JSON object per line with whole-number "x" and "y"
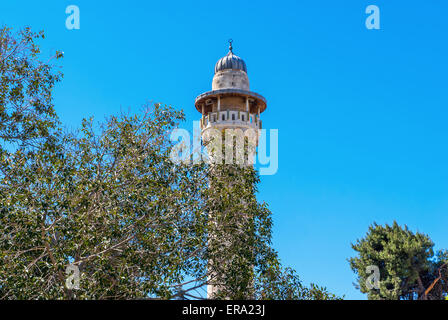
{"x": 362, "y": 114}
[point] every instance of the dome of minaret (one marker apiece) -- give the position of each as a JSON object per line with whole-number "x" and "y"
{"x": 230, "y": 62}
{"x": 230, "y": 72}
{"x": 230, "y": 97}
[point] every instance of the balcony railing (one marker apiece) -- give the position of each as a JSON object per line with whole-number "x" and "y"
{"x": 231, "y": 119}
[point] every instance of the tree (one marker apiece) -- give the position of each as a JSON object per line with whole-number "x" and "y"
{"x": 108, "y": 201}
{"x": 406, "y": 262}
{"x": 26, "y": 106}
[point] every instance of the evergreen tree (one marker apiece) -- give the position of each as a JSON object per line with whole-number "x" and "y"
{"x": 406, "y": 262}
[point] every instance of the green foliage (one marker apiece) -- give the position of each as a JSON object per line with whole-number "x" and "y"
{"x": 277, "y": 283}
{"x": 242, "y": 263}
{"x": 405, "y": 260}
{"x": 26, "y": 107}
{"x": 108, "y": 200}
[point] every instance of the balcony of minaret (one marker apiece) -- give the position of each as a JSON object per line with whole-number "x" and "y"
{"x": 230, "y": 119}
{"x": 230, "y": 108}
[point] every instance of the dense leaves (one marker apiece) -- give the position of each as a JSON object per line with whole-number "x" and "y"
{"x": 26, "y": 107}
{"x": 406, "y": 262}
{"x": 109, "y": 202}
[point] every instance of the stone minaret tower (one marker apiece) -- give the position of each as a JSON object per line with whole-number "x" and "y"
{"x": 230, "y": 105}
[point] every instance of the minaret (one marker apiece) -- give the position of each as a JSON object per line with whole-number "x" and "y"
{"x": 229, "y": 106}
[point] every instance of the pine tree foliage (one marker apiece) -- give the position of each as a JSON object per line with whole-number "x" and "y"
{"x": 406, "y": 262}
